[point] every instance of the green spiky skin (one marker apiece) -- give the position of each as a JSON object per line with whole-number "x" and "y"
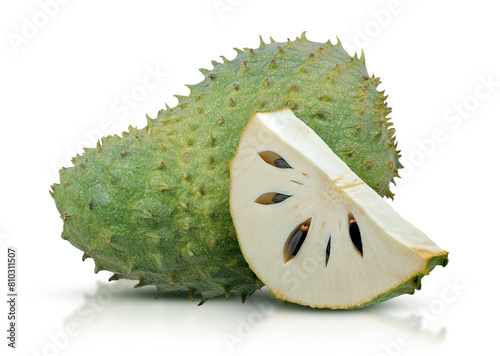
{"x": 153, "y": 205}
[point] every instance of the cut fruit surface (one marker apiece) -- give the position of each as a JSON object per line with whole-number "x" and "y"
{"x": 311, "y": 229}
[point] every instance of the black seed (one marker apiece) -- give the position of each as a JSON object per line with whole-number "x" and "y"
{"x": 355, "y": 234}
{"x": 271, "y": 198}
{"x": 281, "y": 163}
{"x": 328, "y": 251}
{"x": 278, "y": 198}
{"x": 274, "y": 159}
{"x": 297, "y": 240}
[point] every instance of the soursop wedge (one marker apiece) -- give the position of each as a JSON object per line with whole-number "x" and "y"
{"x": 311, "y": 229}
{"x": 153, "y": 204}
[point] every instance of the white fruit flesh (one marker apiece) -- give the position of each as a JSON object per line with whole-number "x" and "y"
{"x": 323, "y": 189}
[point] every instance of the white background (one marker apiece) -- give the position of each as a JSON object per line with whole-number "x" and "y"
{"x": 65, "y": 71}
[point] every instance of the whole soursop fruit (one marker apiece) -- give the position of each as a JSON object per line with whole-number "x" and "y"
{"x": 153, "y": 205}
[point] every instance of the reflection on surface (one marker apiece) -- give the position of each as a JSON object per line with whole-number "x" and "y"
{"x": 116, "y": 314}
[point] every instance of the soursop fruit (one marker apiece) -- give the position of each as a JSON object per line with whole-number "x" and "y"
{"x": 312, "y": 231}
{"x": 153, "y": 204}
